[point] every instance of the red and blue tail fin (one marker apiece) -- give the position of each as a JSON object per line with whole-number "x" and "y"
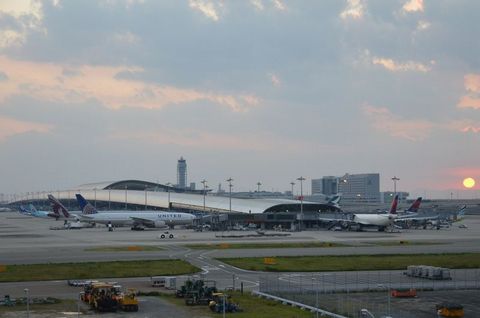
{"x": 415, "y": 205}
{"x": 393, "y": 208}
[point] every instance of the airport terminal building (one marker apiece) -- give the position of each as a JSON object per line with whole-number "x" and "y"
{"x": 223, "y": 211}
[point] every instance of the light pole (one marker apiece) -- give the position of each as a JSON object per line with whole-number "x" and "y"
{"x": 301, "y": 179}
{"x": 95, "y": 196}
{"x": 388, "y": 299}
{"x": 395, "y": 179}
{"x": 258, "y": 186}
{"x": 292, "y": 183}
{"x": 145, "y": 197}
{"x": 126, "y": 187}
{"x": 168, "y": 184}
{"x": 204, "y": 182}
{"x": 28, "y": 301}
{"x": 78, "y": 303}
{"x": 109, "y": 201}
{"x": 229, "y": 180}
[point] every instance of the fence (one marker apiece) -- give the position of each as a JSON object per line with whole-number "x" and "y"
{"x": 347, "y": 293}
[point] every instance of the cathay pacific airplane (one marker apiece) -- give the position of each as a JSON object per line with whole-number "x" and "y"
{"x": 136, "y": 219}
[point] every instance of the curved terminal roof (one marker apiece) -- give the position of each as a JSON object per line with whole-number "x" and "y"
{"x": 155, "y": 195}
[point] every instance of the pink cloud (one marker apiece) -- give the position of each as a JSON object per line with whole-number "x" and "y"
{"x": 465, "y": 126}
{"x": 413, "y": 6}
{"x": 11, "y": 127}
{"x": 472, "y": 83}
{"x": 395, "y": 66}
{"x": 47, "y": 81}
{"x": 383, "y": 120}
{"x": 471, "y": 99}
{"x": 353, "y": 10}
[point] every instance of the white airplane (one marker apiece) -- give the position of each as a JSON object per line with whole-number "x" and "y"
{"x": 138, "y": 220}
{"x": 363, "y": 220}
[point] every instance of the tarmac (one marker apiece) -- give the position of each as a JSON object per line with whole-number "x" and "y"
{"x": 28, "y": 240}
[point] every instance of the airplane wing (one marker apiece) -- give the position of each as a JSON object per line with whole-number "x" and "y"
{"x": 145, "y": 221}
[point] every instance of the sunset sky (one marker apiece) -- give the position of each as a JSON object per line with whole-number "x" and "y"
{"x": 256, "y": 90}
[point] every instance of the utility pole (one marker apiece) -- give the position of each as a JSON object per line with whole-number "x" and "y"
{"x": 258, "y": 186}
{"x": 204, "y": 182}
{"x": 229, "y": 180}
{"x": 395, "y": 179}
{"x": 301, "y": 179}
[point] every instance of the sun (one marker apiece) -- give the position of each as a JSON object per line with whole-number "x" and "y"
{"x": 468, "y": 183}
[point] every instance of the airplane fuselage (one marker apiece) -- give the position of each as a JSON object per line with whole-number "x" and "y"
{"x": 122, "y": 218}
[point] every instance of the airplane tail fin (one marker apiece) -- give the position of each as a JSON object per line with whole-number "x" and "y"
{"x": 85, "y": 206}
{"x": 335, "y": 200}
{"x": 460, "y": 215}
{"x": 23, "y": 210}
{"x": 415, "y": 205}
{"x": 58, "y": 207}
{"x": 393, "y": 208}
{"x": 32, "y": 208}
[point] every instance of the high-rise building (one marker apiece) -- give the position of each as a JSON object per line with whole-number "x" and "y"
{"x": 327, "y": 185}
{"x": 182, "y": 173}
{"x": 363, "y": 187}
{"x": 317, "y": 186}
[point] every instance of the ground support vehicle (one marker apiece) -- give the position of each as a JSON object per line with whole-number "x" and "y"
{"x": 128, "y": 301}
{"x": 219, "y": 300}
{"x": 197, "y": 292}
{"x": 404, "y": 293}
{"x": 453, "y": 310}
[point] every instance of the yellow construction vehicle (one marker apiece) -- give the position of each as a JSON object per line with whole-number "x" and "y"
{"x": 447, "y": 309}
{"x": 103, "y": 297}
{"x": 128, "y": 301}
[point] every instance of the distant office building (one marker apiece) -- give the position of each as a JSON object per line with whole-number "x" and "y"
{"x": 182, "y": 173}
{"x": 327, "y": 185}
{"x": 360, "y": 187}
{"x": 192, "y": 186}
{"x": 317, "y": 186}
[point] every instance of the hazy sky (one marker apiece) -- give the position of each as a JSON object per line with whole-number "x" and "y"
{"x": 256, "y": 90}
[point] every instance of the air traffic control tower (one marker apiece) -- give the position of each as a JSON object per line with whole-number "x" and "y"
{"x": 182, "y": 173}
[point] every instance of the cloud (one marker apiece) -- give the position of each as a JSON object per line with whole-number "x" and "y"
{"x": 28, "y": 16}
{"x": 274, "y": 79}
{"x": 385, "y": 121}
{"x": 257, "y": 4}
{"x": 3, "y": 77}
{"x": 413, "y": 6}
{"x": 465, "y": 126}
{"x": 51, "y": 82}
{"x": 395, "y": 66}
{"x": 207, "y": 8}
{"x": 126, "y": 37}
{"x": 353, "y": 10}
{"x": 11, "y": 127}
{"x": 472, "y": 83}
{"x": 471, "y": 99}
{"x": 279, "y": 5}
{"x": 423, "y": 25}
{"x": 200, "y": 139}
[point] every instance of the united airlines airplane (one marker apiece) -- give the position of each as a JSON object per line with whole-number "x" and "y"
{"x": 136, "y": 219}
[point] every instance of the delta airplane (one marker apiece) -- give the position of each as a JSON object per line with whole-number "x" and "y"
{"x": 138, "y": 220}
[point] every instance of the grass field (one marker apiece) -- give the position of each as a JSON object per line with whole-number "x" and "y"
{"x": 87, "y": 270}
{"x": 132, "y": 248}
{"x": 252, "y": 306}
{"x": 226, "y": 245}
{"x": 355, "y": 262}
{"x": 64, "y": 305}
